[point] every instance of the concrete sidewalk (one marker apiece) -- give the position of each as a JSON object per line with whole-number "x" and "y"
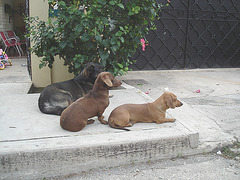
{"x": 213, "y": 113}
{"x": 32, "y": 144}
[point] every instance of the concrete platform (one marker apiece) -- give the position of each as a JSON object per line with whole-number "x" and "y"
{"x": 31, "y": 140}
{"x": 33, "y": 145}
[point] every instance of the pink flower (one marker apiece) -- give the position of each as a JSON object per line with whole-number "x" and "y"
{"x": 143, "y": 44}
{"x": 197, "y": 91}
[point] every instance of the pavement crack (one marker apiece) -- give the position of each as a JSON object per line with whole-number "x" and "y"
{"x": 34, "y": 139}
{"x": 209, "y": 118}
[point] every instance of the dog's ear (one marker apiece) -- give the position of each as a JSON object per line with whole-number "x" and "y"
{"x": 169, "y": 101}
{"x": 85, "y": 73}
{"x": 106, "y": 79}
{"x": 90, "y": 68}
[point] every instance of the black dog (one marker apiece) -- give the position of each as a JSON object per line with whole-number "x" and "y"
{"x": 58, "y": 96}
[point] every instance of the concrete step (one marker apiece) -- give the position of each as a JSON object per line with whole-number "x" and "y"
{"x": 33, "y": 145}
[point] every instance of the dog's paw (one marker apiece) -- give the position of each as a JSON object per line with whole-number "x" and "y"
{"x": 170, "y": 120}
{"x": 104, "y": 122}
{"x": 90, "y": 121}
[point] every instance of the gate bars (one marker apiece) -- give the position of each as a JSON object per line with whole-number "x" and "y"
{"x": 193, "y": 34}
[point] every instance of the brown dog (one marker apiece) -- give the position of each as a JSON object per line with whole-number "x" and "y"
{"x": 75, "y": 117}
{"x": 128, "y": 114}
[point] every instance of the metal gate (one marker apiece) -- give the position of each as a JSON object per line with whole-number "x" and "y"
{"x": 193, "y": 34}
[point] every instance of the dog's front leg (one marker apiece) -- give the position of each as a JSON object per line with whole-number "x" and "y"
{"x": 163, "y": 120}
{"x": 169, "y": 120}
{"x": 100, "y": 118}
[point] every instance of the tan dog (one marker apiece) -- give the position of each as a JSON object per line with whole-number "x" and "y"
{"x": 75, "y": 117}
{"x": 128, "y": 114}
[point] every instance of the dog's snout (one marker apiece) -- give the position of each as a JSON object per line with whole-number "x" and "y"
{"x": 117, "y": 82}
{"x": 180, "y": 103}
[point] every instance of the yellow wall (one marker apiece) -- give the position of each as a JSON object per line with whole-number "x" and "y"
{"x": 59, "y": 71}
{"x": 45, "y": 76}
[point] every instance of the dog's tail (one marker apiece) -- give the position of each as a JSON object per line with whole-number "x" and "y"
{"x": 111, "y": 124}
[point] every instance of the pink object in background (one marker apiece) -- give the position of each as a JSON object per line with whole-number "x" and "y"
{"x": 143, "y": 44}
{"x": 197, "y": 91}
{"x": 6, "y": 57}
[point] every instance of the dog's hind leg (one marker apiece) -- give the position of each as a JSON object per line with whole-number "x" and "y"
{"x": 59, "y": 102}
{"x": 55, "y": 103}
{"x": 54, "y": 108}
{"x": 58, "y": 110}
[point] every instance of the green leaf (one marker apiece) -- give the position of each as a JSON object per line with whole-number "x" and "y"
{"x": 114, "y": 48}
{"x": 121, "y": 39}
{"x": 41, "y": 65}
{"x": 119, "y": 33}
{"x": 103, "y": 62}
{"x": 63, "y": 44}
{"x": 102, "y": 2}
{"x": 145, "y": 22}
{"x": 111, "y": 3}
{"x": 131, "y": 13}
{"x": 78, "y": 28}
{"x": 104, "y": 20}
{"x": 121, "y": 28}
{"x": 77, "y": 65}
{"x": 120, "y": 65}
{"x": 78, "y": 12}
{"x": 98, "y": 38}
{"x": 71, "y": 12}
{"x": 85, "y": 37}
{"x": 100, "y": 27}
{"x": 121, "y": 5}
{"x": 137, "y": 8}
{"x": 61, "y": 3}
{"x": 85, "y": 23}
{"x": 103, "y": 54}
{"x": 113, "y": 41}
{"x": 105, "y": 43}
